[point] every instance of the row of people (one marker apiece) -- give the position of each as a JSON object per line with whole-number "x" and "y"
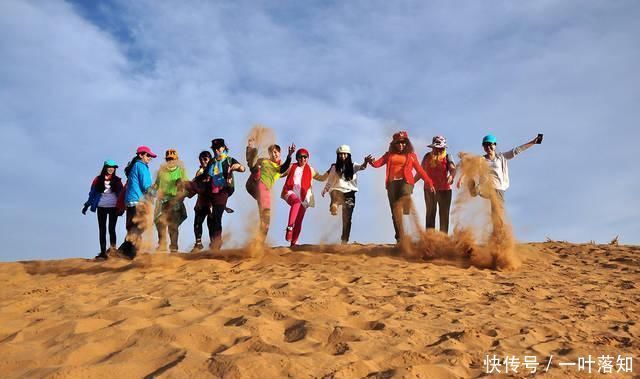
{"x": 214, "y": 183}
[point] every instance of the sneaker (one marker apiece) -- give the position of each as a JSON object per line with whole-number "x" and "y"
{"x": 173, "y": 249}
{"x": 197, "y": 247}
{"x": 289, "y": 234}
{"x": 333, "y": 209}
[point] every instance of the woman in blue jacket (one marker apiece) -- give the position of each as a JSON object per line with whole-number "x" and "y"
{"x": 138, "y": 183}
{"x": 102, "y": 198}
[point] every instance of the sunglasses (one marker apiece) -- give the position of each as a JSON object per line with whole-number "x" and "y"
{"x": 488, "y": 144}
{"x": 303, "y": 156}
{"x": 401, "y": 142}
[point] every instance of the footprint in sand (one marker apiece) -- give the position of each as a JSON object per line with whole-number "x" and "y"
{"x": 296, "y": 331}
{"x": 238, "y": 321}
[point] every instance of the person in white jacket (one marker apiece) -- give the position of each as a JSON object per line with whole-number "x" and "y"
{"x": 342, "y": 185}
{"x": 498, "y": 166}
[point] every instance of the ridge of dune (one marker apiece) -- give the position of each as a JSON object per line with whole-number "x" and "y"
{"x": 329, "y": 311}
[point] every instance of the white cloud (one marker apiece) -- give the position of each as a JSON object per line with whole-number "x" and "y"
{"x": 75, "y": 92}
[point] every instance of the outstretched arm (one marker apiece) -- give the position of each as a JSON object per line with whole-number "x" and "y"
{"x": 513, "y": 152}
{"x": 380, "y": 161}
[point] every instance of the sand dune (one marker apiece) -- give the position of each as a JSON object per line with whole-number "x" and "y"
{"x": 320, "y": 311}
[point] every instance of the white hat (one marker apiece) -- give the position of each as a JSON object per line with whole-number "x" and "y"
{"x": 344, "y": 149}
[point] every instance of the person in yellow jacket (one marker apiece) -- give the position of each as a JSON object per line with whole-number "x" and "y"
{"x": 170, "y": 211}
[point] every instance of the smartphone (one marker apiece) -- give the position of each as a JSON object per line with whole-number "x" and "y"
{"x": 539, "y": 138}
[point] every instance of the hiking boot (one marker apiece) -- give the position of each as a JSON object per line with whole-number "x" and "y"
{"x": 173, "y": 249}
{"x": 289, "y": 234}
{"x": 333, "y": 209}
{"x": 101, "y": 257}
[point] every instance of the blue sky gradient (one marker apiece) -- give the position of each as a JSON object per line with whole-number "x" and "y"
{"x": 86, "y": 81}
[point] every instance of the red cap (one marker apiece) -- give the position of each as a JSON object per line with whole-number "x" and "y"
{"x": 145, "y": 149}
{"x": 302, "y": 151}
{"x": 400, "y": 136}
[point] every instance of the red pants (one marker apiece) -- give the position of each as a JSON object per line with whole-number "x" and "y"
{"x": 296, "y": 215}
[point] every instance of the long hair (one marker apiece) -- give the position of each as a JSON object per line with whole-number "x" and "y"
{"x": 344, "y": 167}
{"x": 100, "y": 184}
{"x": 408, "y": 149}
{"x": 127, "y": 169}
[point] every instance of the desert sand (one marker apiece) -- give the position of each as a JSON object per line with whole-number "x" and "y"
{"x": 319, "y": 311}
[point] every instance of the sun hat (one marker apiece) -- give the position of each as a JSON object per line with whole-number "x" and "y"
{"x": 344, "y": 149}
{"x": 110, "y": 163}
{"x": 147, "y": 150}
{"x": 489, "y": 138}
{"x": 438, "y": 142}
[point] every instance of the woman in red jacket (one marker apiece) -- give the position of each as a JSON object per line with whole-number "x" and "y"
{"x": 401, "y": 161}
{"x": 297, "y": 192}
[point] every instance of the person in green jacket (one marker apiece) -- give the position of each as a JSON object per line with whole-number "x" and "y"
{"x": 170, "y": 211}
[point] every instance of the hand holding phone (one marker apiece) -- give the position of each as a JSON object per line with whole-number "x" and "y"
{"x": 539, "y": 138}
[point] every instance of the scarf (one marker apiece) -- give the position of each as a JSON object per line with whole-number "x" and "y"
{"x": 216, "y": 171}
{"x": 435, "y": 159}
{"x": 304, "y": 185}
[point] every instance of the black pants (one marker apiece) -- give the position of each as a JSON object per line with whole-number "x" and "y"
{"x": 134, "y": 233}
{"x": 214, "y": 222}
{"x": 348, "y": 202}
{"x": 201, "y": 214}
{"x": 442, "y": 201}
{"x": 398, "y": 190}
{"x": 112, "y": 215}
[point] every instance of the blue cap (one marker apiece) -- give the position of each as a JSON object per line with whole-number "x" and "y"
{"x": 489, "y": 138}
{"x": 110, "y": 163}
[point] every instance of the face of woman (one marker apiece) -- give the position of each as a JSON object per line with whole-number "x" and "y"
{"x": 302, "y": 160}
{"x": 343, "y": 156}
{"x": 111, "y": 170}
{"x": 204, "y": 161}
{"x": 275, "y": 155}
{"x": 489, "y": 148}
{"x": 437, "y": 150}
{"x": 401, "y": 145}
{"x": 219, "y": 151}
{"x": 146, "y": 158}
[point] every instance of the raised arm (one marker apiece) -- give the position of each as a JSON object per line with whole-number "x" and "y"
{"x": 252, "y": 156}
{"x": 285, "y": 166}
{"x": 519, "y": 149}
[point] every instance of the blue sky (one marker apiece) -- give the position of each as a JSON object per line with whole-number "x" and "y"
{"x": 81, "y": 82}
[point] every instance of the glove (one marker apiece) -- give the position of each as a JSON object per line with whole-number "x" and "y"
{"x": 84, "y": 209}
